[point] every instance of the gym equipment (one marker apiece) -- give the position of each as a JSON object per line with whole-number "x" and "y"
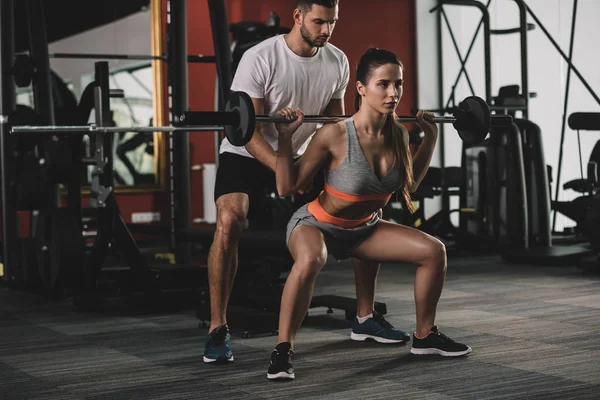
{"x": 472, "y": 118}
{"x": 237, "y": 122}
{"x": 577, "y": 209}
{"x": 23, "y": 70}
{"x": 438, "y": 181}
{"x": 60, "y": 250}
{"x": 493, "y": 203}
{"x": 191, "y": 58}
{"x": 139, "y": 275}
{"x": 246, "y": 34}
{"x": 539, "y": 249}
{"x": 93, "y": 128}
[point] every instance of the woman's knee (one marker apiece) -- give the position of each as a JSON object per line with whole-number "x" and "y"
{"x": 309, "y": 264}
{"x": 436, "y": 253}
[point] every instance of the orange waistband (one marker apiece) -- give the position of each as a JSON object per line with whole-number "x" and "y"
{"x": 317, "y": 211}
{"x": 357, "y": 198}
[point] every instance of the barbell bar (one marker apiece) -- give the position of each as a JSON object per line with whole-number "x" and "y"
{"x": 92, "y": 128}
{"x": 472, "y": 120}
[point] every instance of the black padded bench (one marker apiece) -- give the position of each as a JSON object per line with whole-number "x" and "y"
{"x": 263, "y": 259}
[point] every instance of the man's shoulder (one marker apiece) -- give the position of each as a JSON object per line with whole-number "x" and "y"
{"x": 266, "y": 47}
{"x": 334, "y": 51}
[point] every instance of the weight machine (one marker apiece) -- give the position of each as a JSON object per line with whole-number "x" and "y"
{"x": 534, "y": 197}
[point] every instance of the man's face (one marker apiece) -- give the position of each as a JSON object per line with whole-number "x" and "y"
{"x": 318, "y": 24}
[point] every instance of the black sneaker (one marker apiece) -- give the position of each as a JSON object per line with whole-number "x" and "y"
{"x": 438, "y": 343}
{"x": 281, "y": 362}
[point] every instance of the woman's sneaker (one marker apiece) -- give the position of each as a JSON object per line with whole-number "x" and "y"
{"x": 281, "y": 362}
{"x": 438, "y": 343}
{"x": 378, "y": 329}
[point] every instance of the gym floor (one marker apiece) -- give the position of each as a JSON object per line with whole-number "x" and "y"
{"x": 533, "y": 331}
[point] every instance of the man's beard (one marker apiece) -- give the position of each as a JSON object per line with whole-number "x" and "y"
{"x": 308, "y": 39}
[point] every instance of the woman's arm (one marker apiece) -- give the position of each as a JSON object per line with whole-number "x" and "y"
{"x": 292, "y": 176}
{"x": 422, "y": 157}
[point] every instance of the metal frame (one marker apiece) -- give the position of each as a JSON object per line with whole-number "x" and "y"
{"x": 487, "y": 32}
{"x": 179, "y": 158}
{"x": 95, "y": 128}
{"x": 485, "y": 21}
{"x": 564, "y": 118}
{"x": 7, "y": 105}
{"x": 522, "y": 29}
{"x": 571, "y": 68}
{"x": 191, "y": 58}
{"x": 222, "y": 45}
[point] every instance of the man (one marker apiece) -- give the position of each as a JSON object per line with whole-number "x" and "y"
{"x": 302, "y": 70}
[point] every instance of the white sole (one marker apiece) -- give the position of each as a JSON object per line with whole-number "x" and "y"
{"x": 210, "y": 360}
{"x": 281, "y": 375}
{"x": 424, "y": 352}
{"x": 359, "y": 337}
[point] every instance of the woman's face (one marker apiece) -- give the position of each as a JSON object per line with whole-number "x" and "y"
{"x": 383, "y": 90}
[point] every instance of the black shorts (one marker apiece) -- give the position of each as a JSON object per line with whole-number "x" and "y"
{"x": 239, "y": 174}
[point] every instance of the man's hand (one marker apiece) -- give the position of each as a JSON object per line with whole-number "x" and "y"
{"x": 291, "y": 114}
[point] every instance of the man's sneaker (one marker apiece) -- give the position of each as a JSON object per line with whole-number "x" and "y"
{"x": 378, "y": 329}
{"x": 438, "y": 343}
{"x": 217, "y": 345}
{"x": 281, "y": 362}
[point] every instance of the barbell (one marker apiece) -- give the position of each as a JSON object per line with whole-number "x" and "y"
{"x": 472, "y": 119}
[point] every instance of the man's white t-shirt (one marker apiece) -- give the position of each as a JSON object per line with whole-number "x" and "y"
{"x": 271, "y": 71}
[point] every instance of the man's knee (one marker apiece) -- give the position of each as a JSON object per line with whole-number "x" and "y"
{"x": 230, "y": 221}
{"x": 231, "y": 215}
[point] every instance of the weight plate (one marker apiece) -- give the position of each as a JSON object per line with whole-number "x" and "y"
{"x": 240, "y": 131}
{"x": 473, "y": 120}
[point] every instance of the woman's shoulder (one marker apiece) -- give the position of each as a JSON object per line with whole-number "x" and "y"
{"x": 332, "y": 132}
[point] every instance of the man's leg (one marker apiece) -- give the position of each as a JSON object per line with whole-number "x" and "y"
{"x": 369, "y": 324}
{"x": 232, "y": 210}
{"x": 237, "y": 177}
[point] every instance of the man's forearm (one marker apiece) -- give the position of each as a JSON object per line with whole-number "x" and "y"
{"x": 285, "y": 170}
{"x": 262, "y": 150}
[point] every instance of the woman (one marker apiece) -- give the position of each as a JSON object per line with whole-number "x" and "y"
{"x": 366, "y": 159}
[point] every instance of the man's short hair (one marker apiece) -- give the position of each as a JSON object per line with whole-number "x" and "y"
{"x": 306, "y": 5}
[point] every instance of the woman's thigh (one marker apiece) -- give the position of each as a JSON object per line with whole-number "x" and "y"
{"x": 307, "y": 243}
{"x": 392, "y": 242}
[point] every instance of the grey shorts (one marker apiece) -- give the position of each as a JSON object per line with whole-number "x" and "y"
{"x": 340, "y": 242}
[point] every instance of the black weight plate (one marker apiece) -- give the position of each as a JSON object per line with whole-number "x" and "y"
{"x": 473, "y": 120}
{"x": 241, "y": 104}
